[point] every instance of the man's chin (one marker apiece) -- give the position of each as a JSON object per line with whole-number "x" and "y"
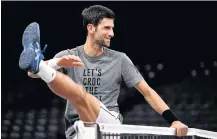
{"x": 107, "y": 45}
{"x": 103, "y": 44}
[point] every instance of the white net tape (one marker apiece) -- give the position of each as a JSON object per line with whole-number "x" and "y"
{"x": 111, "y": 131}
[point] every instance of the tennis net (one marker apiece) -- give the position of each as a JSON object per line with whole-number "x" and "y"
{"x": 111, "y": 131}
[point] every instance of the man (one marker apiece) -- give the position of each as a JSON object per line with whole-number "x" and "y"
{"x": 94, "y": 74}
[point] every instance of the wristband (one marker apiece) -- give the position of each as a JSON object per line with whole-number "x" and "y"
{"x": 170, "y": 116}
{"x": 53, "y": 64}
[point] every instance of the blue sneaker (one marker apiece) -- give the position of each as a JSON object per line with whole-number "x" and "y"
{"x": 31, "y": 55}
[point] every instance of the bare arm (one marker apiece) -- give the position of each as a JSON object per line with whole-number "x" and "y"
{"x": 152, "y": 97}
{"x": 160, "y": 106}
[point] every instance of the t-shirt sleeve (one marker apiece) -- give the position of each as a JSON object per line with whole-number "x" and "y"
{"x": 129, "y": 72}
{"x": 61, "y": 54}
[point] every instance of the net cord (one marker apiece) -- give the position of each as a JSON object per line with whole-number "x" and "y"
{"x": 136, "y": 129}
{"x": 93, "y": 129}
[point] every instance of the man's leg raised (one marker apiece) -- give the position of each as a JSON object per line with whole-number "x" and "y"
{"x": 87, "y": 105}
{"x": 31, "y": 59}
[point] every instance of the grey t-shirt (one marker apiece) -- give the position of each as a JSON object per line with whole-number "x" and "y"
{"x": 101, "y": 76}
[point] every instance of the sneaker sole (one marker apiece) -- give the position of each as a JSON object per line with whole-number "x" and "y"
{"x": 26, "y": 58}
{"x": 31, "y": 34}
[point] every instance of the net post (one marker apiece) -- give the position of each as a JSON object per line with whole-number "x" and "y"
{"x": 98, "y": 133}
{"x": 86, "y": 130}
{"x": 193, "y": 137}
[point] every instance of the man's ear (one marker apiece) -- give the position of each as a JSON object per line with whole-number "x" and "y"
{"x": 90, "y": 28}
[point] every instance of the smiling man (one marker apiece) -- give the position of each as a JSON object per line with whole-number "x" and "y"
{"x": 92, "y": 74}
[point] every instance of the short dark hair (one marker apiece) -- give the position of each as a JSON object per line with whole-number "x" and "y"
{"x": 94, "y": 14}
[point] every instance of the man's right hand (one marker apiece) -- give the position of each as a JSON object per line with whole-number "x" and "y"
{"x": 69, "y": 61}
{"x": 65, "y": 61}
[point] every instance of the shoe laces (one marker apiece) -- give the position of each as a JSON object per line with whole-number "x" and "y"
{"x": 43, "y": 51}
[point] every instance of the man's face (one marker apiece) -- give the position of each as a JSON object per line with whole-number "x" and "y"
{"x": 104, "y": 32}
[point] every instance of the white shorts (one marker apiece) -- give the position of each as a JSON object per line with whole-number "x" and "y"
{"x": 105, "y": 116}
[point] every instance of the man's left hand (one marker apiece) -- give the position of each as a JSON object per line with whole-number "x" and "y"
{"x": 181, "y": 129}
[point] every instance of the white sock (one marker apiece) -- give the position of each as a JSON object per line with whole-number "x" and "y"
{"x": 45, "y": 72}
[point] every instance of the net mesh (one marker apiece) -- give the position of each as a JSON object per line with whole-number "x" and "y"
{"x": 111, "y": 131}
{"x": 145, "y": 136}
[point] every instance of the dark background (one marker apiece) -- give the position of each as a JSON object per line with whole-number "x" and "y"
{"x": 182, "y": 36}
